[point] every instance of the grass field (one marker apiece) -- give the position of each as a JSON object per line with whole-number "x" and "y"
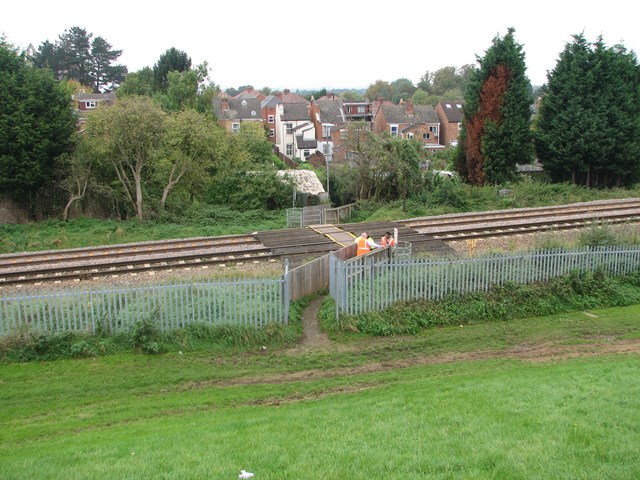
{"x": 542, "y": 398}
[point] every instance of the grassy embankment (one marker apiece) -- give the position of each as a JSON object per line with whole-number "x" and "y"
{"x": 538, "y": 398}
{"x": 446, "y": 197}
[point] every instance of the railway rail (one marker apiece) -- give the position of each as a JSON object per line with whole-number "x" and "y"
{"x": 431, "y": 233}
{"x": 520, "y": 221}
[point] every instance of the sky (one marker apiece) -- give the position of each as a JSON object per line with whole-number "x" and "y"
{"x": 330, "y": 44}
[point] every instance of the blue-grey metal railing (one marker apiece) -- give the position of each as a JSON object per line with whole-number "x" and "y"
{"x": 248, "y": 301}
{"x": 364, "y": 284}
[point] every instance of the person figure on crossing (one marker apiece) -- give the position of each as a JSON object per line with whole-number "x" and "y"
{"x": 365, "y": 244}
{"x": 388, "y": 240}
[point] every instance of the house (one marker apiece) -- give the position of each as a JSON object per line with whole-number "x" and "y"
{"x": 409, "y": 121}
{"x": 231, "y": 112}
{"x": 295, "y": 134}
{"x": 85, "y": 102}
{"x": 269, "y": 106}
{"x": 450, "y": 115}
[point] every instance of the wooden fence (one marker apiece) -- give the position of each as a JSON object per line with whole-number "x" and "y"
{"x": 315, "y": 275}
{"x": 371, "y": 283}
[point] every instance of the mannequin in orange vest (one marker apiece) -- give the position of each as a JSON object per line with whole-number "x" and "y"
{"x": 388, "y": 240}
{"x": 365, "y": 244}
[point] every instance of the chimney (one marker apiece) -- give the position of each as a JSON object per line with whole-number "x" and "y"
{"x": 287, "y": 91}
{"x": 224, "y": 106}
{"x": 409, "y": 108}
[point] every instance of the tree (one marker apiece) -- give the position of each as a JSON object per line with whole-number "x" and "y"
{"x": 79, "y": 175}
{"x": 190, "y": 147}
{"x": 75, "y": 56}
{"x": 170, "y": 61}
{"x": 403, "y": 89}
{"x": 104, "y": 75}
{"x": 496, "y": 134}
{"x": 379, "y": 89}
{"x": 126, "y": 136}
{"x": 36, "y": 125}
{"x": 137, "y": 83}
{"x": 588, "y": 129}
{"x": 405, "y": 156}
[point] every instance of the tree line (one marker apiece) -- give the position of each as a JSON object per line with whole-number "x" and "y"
{"x": 587, "y": 127}
{"x": 159, "y": 148}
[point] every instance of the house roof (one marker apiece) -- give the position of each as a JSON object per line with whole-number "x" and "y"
{"x": 295, "y": 111}
{"x": 306, "y": 143}
{"x": 331, "y": 111}
{"x": 104, "y": 97}
{"x": 239, "y": 109}
{"x": 288, "y": 97}
{"x": 271, "y": 101}
{"x": 305, "y": 181}
{"x": 398, "y": 114}
{"x": 453, "y": 111}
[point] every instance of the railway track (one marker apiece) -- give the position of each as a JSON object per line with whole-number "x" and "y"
{"x": 427, "y": 233}
{"x": 513, "y": 222}
{"x": 92, "y": 262}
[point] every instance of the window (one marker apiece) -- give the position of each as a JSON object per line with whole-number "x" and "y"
{"x": 410, "y": 136}
{"x": 270, "y": 119}
{"x": 448, "y": 105}
{"x": 426, "y": 136}
{"x": 326, "y": 131}
{"x": 272, "y": 133}
{"x": 459, "y": 105}
{"x": 361, "y": 109}
{"x": 289, "y": 150}
{"x": 394, "y": 130}
{"x": 91, "y": 104}
{"x": 235, "y": 127}
{"x": 306, "y": 153}
{"x": 289, "y": 128}
{"x": 434, "y": 129}
{"x": 350, "y": 154}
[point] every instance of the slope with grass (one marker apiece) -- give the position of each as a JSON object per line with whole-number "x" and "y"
{"x": 549, "y": 397}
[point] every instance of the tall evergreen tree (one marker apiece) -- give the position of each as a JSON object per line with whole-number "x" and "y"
{"x": 173, "y": 60}
{"x": 496, "y": 129}
{"x": 36, "y": 126}
{"x": 104, "y": 75}
{"x": 75, "y": 56}
{"x": 588, "y": 129}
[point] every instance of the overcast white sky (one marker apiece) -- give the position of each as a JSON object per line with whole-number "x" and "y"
{"x": 332, "y": 43}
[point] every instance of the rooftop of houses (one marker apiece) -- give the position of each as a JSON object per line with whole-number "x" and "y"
{"x": 409, "y": 113}
{"x": 237, "y": 108}
{"x": 452, "y": 110}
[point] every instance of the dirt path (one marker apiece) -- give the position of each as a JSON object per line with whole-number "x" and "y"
{"x": 312, "y": 336}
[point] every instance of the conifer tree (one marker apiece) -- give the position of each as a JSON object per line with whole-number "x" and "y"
{"x": 497, "y": 112}
{"x": 588, "y": 129}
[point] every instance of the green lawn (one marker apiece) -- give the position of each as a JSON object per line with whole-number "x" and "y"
{"x": 450, "y": 403}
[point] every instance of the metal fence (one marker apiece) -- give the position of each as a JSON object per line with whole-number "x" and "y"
{"x": 371, "y": 283}
{"x": 253, "y": 302}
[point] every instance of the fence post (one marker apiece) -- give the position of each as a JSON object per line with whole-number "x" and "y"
{"x": 286, "y": 294}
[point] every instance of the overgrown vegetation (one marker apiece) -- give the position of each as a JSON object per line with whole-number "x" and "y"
{"x": 145, "y": 337}
{"x": 575, "y": 292}
{"x": 439, "y": 196}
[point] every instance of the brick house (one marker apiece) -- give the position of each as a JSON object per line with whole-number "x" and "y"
{"x": 409, "y": 121}
{"x": 231, "y": 112}
{"x": 85, "y": 102}
{"x": 450, "y": 116}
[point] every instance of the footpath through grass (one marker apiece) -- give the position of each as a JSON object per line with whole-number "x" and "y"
{"x": 552, "y": 397}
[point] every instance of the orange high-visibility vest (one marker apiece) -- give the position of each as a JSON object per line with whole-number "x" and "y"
{"x": 384, "y": 242}
{"x": 363, "y": 246}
